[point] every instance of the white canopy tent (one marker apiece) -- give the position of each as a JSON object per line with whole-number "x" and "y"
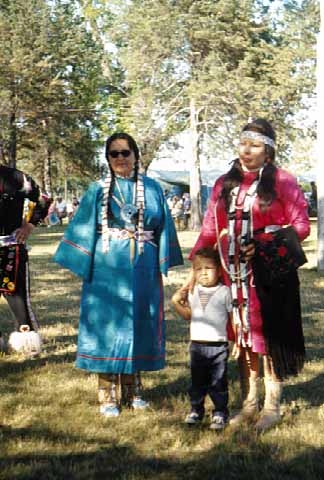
{"x": 182, "y": 178}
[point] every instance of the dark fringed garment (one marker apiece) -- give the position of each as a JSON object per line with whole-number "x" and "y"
{"x": 282, "y": 323}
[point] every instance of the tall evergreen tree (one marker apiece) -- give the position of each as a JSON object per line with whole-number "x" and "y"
{"x": 49, "y": 77}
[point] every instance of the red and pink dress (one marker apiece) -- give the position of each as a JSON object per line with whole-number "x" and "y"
{"x": 288, "y": 208}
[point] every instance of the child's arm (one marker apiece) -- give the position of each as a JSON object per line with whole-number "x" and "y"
{"x": 180, "y": 302}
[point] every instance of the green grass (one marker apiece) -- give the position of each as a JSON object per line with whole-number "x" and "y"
{"x": 52, "y": 429}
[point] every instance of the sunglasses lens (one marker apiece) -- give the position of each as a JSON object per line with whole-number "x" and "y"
{"x": 123, "y": 153}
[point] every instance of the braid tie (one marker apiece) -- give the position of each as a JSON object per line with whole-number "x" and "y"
{"x": 140, "y": 203}
{"x": 104, "y": 213}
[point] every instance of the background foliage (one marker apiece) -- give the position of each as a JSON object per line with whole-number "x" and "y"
{"x": 72, "y": 72}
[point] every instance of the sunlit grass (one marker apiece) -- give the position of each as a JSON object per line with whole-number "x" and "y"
{"x": 53, "y": 429}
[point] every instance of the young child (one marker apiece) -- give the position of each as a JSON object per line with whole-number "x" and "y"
{"x": 208, "y": 308}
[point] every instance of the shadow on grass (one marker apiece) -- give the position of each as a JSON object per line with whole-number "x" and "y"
{"x": 247, "y": 461}
{"x": 46, "y": 236}
{"x": 311, "y": 391}
{"x": 15, "y": 366}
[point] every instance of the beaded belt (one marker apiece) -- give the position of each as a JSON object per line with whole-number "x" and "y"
{"x": 7, "y": 240}
{"x": 116, "y": 233}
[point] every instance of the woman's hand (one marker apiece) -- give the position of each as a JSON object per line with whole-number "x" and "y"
{"x": 248, "y": 251}
{"x": 23, "y": 232}
{"x": 236, "y": 351}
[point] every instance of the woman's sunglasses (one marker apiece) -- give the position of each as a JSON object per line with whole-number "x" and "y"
{"x": 116, "y": 153}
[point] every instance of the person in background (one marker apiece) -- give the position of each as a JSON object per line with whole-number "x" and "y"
{"x": 15, "y": 229}
{"x": 74, "y": 206}
{"x": 51, "y": 218}
{"x": 312, "y": 209}
{"x": 177, "y": 211}
{"x": 43, "y": 206}
{"x": 253, "y": 200}
{"x": 120, "y": 241}
{"x": 186, "y": 200}
{"x": 169, "y": 200}
{"x": 208, "y": 310}
{"x": 60, "y": 208}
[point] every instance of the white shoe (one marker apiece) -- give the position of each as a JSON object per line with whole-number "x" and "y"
{"x": 139, "y": 404}
{"x": 193, "y": 418}
{"x": 109, "y": 410}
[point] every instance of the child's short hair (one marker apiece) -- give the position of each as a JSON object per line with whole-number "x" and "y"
{"x": 209, "y": 252}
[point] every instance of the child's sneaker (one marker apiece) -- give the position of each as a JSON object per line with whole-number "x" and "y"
{"x": 139, "y": 404}
{"x": 218, "y": 421}
{"x": 109, "y": 410}
{"x": 193, "y": 418}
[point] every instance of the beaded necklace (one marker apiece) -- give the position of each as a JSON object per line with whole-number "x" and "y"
{"x": 128, "y": 211}
{"x": 139, "y": 202}
{"x": 236, "y": 266}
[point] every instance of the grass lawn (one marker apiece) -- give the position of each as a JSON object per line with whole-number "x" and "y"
{"x": 52, "y": 428}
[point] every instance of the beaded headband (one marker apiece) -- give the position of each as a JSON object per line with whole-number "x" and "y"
{"x": 249, "y": 135}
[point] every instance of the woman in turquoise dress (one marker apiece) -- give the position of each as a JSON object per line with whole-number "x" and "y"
{"x": 120, "y": 241}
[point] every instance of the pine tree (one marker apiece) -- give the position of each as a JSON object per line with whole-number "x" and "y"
{"x": 50, "y": 79}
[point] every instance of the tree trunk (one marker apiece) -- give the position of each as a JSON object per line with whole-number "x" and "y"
{"x": 2, "y": 154}
{"x": 195, "y": 180}
{"x": 47, "y": 179}
{"x": 47, "y": 176}
{"x": 320, "y": 144}
{"x": 12, "y": 148}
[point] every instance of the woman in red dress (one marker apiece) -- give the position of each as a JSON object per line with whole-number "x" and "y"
{"x": 247, "y": 205}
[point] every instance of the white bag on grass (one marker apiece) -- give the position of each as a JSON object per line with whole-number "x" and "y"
{"x": 25, "y": 341}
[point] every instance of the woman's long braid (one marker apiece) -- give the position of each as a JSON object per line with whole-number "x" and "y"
{"x": 266, "y": 187}
{"x": 104, "y": 212}
{"x": 140, "y": 204}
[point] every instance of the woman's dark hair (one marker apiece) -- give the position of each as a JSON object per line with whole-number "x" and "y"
{"x": 266, "y": 187}
{"x": 132, "y": 146}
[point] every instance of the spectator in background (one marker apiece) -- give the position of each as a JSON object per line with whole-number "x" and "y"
{"x": 74, "y": 207}
{"x": 312, "y": 208}
{"x": 186, "y": 209}
{"x": 60, "y": 208}
{"x": 177, "y": 211}
{"x": 314, "y": 191}
{"x": 51, "y": 217}
{"x": 169, "y": 201}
